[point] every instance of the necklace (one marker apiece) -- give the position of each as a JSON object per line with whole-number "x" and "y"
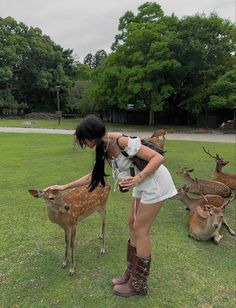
{"x": 108, "y": 142}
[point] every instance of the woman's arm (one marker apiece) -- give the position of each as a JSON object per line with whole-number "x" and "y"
{"x": 85, "y": 180}
{"x": 154, "y": 161}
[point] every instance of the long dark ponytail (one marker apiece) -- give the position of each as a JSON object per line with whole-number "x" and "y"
{"x": 92, "y": 128}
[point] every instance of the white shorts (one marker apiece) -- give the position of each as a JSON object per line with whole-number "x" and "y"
{"x": 155, "y": 188}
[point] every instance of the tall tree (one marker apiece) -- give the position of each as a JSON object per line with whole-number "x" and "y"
{"x": 32, "y": 65}
{"x": 138, "y": 70}
{"x": 206, "y": 51}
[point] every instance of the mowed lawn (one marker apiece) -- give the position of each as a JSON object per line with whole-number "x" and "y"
{"x": 184, "y": 272}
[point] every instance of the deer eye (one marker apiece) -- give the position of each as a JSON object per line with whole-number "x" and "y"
{"x": 51, "y": 198}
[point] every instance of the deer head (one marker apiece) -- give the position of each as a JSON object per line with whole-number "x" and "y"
{"x": 53, "y": 198}
{"x": 184, "y": 171}
{"x": 219, "y": 160}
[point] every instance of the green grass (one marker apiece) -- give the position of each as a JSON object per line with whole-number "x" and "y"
{"x": 184, "y": 272}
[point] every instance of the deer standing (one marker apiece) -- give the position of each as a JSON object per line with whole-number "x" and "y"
{"x": 155, "y": 138}
{"x": 67, "y": 209}
{"x": 190, "y": 202}
{"x": 204, "y": 186}
{"x": 228, "y": 179}
{"x": 205, "y": 221}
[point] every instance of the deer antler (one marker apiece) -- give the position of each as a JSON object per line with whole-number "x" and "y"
{"x": 208, "y": 152}
{"x": 229, "y": 201}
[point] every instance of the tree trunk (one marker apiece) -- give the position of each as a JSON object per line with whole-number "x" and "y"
{"x": 151, "y": 117}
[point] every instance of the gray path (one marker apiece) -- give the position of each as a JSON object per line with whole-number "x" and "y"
{"x": 210, "y": 137}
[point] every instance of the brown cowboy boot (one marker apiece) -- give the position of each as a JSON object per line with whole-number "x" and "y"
{"x": 131, "y": 252}
{"x": 137, "y": 284}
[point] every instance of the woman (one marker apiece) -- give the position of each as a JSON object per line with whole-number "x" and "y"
{"x": 151, "y": 187}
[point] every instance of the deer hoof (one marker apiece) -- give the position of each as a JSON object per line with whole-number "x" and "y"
{"x": 71, "y": 273}
{"x": 100, "y": 237}
{"x": 102, "y": 251}
{"x": 64, "y": 264}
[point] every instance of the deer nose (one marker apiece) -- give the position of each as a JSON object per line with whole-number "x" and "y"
{"x": 215, "y": 226}
{"x": 67, "y": 207}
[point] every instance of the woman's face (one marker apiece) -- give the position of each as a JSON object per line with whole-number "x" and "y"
{"x": 90, "y": 142}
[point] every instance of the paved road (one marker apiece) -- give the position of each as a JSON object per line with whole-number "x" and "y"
{"x": 210, "y": 137}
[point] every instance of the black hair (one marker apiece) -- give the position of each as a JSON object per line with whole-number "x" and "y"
{"x": 92, "y": 128}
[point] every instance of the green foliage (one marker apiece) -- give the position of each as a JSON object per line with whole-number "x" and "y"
{"x": 206, "y": 51}
{"x": 139, "y": 69}
{"x": 184, "y": 273}
{"x": 32, "y": 65}
{"x": 224, "y": 91}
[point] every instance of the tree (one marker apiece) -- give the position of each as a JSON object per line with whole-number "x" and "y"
{"x": 206, "y": 50}
{"x": 139, "y": 69}
{"x": 223, "y": 91}
{"x": 96, "y": 60}
{"x": 31, "y": 66}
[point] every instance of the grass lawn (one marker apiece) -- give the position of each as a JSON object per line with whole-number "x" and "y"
{"x": 184, "y": 272}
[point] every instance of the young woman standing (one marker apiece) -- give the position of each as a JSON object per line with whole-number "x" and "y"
{"x": 151, "y": 187}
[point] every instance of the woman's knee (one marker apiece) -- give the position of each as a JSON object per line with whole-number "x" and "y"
{"x": 131, "y": 223}
{"x": 139, "y": 231}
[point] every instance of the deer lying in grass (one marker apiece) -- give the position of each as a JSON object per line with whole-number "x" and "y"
{"x": 228, "y": 179}
{"x": 205, "y": 221}
{"x": 69, "y": 208}
{"x": 204, "y": 186}
{"x": 190, "y": 202}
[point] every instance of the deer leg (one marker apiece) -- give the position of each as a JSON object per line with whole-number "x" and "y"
{"x": 231, "y": 231}
{"x": 217, "y": 237}
{"x": 67, "y": 242}
{"x": 102, "y": 212}
{"x": 72, "y": 245}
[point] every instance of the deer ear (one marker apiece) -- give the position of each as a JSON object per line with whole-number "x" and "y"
{"x": 35, "y": 193}
{"x": 202, "y": 212}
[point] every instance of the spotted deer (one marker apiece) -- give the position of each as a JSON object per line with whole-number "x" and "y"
{"x": 191, "y": 202}
{"x": 67, "y": 209}
{"x": 228, "y": 179}
{"x": 205, "y": 221}
{"x": 205, "y": 187}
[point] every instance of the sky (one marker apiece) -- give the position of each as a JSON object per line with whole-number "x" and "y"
{"x": 87, "y": 26}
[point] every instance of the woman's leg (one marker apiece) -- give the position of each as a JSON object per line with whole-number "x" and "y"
{"x": 146, "y": 215}
{"x": 131, "y": 249}
{"x": 137, "y": 283}
{"x": 131, "y": 219}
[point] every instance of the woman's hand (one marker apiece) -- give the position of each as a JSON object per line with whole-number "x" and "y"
{"x": 130, "y": 181}
{"x": 55, "y": 187}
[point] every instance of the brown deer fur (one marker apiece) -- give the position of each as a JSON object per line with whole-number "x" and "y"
{"x": 159, "y": 143}
{"x": 159, "y": 133}
{"x": 205, "y": 187}
{"x": 67, "y": 209}
{"x": 205, "y": 221}
{"x": 190, "y": 202}
{"x": 228, "y": 179}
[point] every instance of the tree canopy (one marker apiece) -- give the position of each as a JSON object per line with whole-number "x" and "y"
{"x": 31, "y": 66}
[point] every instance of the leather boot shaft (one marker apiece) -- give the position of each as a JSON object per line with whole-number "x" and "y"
{"x": 131, "y": 252}
{"x": 137, "y": 284}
